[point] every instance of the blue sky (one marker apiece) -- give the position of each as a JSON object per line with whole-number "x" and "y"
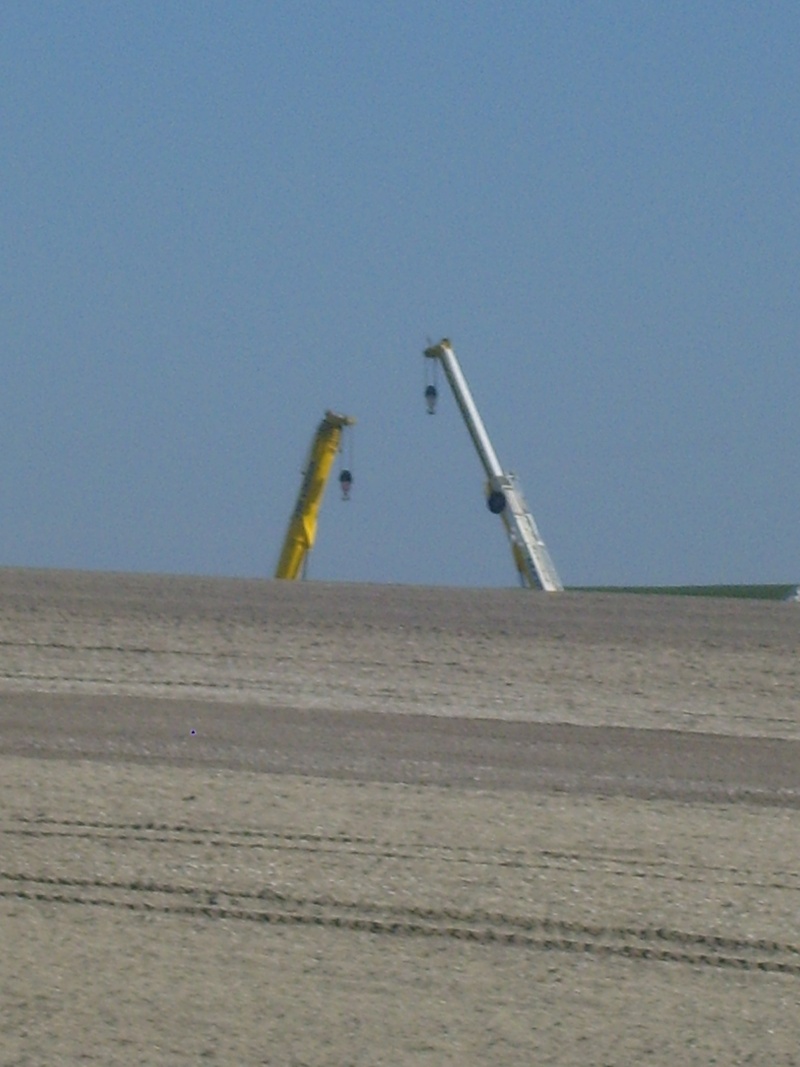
{"x": 220, "y": 219}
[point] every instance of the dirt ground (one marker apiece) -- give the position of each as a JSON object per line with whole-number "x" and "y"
{"x": 249, "y": 822}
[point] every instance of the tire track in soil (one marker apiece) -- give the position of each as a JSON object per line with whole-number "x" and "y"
{"x": 340, "y": 844}
{"x": 216, "y": 902}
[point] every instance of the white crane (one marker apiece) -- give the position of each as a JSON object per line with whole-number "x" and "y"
{"x": 504, "y": 496}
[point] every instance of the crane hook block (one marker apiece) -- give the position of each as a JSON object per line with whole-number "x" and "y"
{"x": 346, "y": 484}
{"x": 430, "y": 398}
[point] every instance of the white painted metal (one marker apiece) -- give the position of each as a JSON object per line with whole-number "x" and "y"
{"x": 531, "y": 557}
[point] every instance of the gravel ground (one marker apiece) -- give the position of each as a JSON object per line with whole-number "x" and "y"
{"x": 295, "y": 823}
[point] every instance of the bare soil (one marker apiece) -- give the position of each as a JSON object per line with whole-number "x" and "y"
{"x": 247, "y": 822}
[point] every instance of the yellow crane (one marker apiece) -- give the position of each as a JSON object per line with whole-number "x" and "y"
{"x": 302, "y": 530}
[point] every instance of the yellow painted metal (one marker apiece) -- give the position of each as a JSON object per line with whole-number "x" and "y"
{"x": 302, "y": 529}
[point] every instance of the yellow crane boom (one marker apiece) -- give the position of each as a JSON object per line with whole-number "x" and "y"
{"x": 302, "y": 528}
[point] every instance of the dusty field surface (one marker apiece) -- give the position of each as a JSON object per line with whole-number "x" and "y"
{"x": 277, "y": 823}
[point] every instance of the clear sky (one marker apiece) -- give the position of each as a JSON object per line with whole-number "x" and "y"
{"x": 221, "y": 218}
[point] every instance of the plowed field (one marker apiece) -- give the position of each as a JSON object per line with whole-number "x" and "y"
{"x": 251, "y": 822}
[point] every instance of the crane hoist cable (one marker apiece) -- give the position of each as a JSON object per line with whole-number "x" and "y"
{"x": 431, "y": 384}
{"x": 346, "y": 469}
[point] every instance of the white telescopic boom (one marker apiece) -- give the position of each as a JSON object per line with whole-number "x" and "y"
{"x": 531, "y": 557}
{"x": 458, "y": 383}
